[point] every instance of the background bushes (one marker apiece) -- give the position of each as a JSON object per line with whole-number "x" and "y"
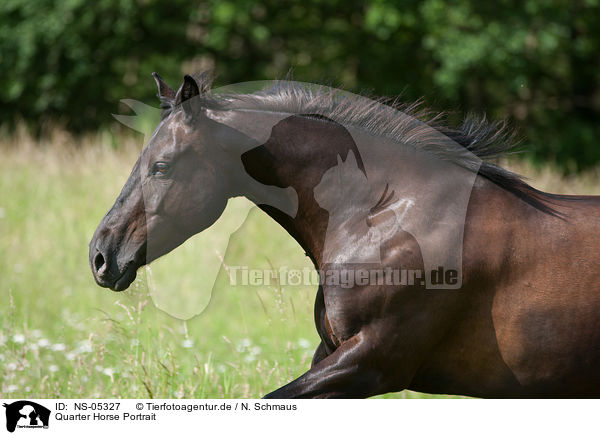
{"x": 537, "y": 63}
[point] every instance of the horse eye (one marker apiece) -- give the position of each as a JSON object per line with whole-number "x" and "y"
{"x": 160, "y": 168}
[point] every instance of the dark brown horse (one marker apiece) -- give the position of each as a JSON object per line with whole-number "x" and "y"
{"x": 525, "y": 320}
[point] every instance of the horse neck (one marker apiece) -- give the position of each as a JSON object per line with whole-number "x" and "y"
{"x": 286, "y": 168}
{"x": 300, "y": 155}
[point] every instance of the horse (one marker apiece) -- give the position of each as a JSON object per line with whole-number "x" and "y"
{"x": 519, "y": 313}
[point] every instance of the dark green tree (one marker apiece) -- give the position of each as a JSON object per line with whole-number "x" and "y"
{"x": 536, "y": 63}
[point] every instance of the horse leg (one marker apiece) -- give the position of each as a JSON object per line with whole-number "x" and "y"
{"x": 349, "y": 372}
{"x": 325, "y": 347}
{"x": 384, "y": 354}
{"x": 319, "y": 355}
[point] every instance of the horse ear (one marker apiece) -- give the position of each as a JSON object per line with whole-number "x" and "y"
{"x": 164, "y": 90}
{"x": 189, "y": 89}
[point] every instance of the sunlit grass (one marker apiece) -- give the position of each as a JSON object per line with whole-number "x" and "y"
{"x": 63, "y": 336}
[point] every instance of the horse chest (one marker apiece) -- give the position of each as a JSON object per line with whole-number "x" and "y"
{"x": 347, "y": 310}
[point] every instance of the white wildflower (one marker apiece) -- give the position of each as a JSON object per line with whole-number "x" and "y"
{"x": 43, "y": 342}
{"x": 246, "y": 342}
{"x": 84, "y": 347}
{"x": 187, "y": 343}
{"x": 304, "y": 343}
{"x": 58, "y": 347}
{"x": 11, "y": 389}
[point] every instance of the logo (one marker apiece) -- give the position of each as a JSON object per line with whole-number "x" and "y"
{"x": 26, "y": 414}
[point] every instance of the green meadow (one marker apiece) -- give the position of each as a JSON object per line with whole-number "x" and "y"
{"x": 63, "y": 336}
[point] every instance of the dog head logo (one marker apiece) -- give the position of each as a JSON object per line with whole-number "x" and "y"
{"x": 26, "y": 414}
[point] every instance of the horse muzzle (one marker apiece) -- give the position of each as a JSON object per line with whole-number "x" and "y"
{"x": 108, "y": 269}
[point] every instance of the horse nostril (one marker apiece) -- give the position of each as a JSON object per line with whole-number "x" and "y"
{"x": 100, "y": 264}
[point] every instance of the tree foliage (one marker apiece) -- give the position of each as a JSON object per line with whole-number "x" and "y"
{"x": 537, "y": 63}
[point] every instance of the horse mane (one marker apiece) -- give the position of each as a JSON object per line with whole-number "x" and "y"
{"x": 407, "y": 123}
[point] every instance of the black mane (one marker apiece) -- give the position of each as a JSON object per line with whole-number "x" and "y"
{"x": 407, "y": 123}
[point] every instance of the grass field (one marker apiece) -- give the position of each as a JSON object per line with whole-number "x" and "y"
{"x": 63, "y": 336}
